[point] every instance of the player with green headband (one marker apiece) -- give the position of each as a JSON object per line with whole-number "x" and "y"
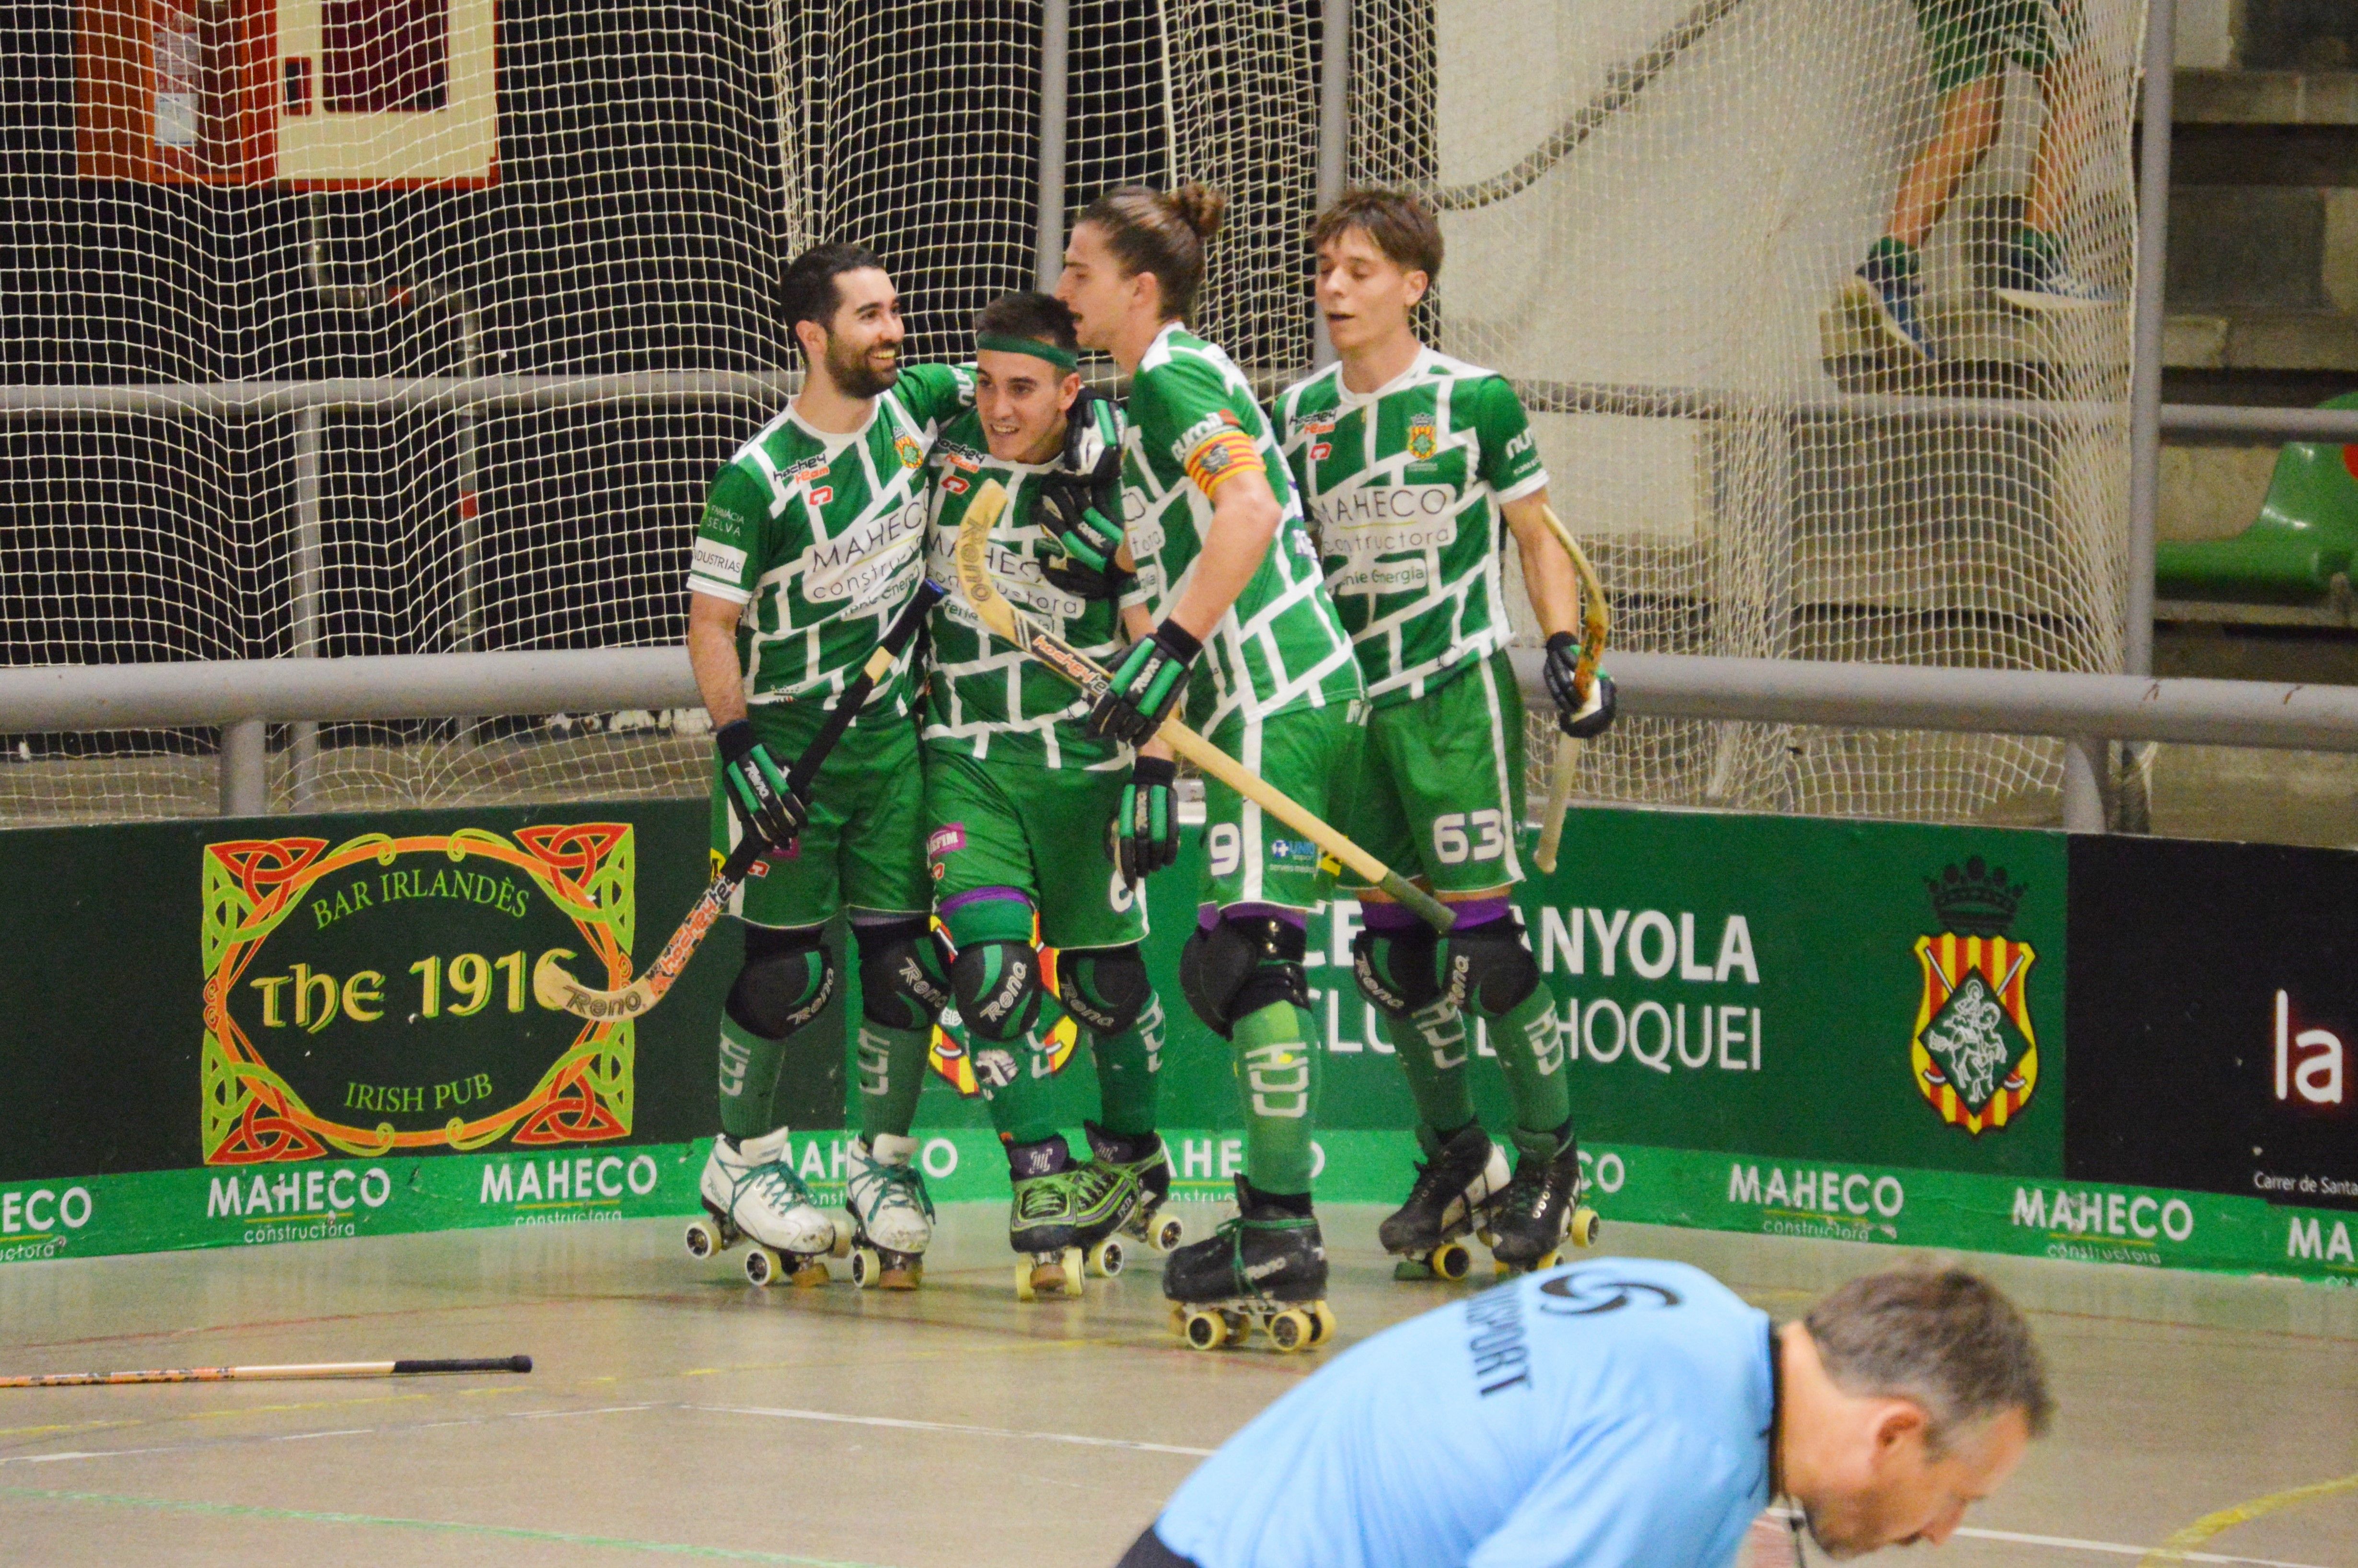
{"x": 1018, "y": 797}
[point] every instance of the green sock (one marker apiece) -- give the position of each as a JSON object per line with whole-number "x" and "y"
{"x": 2046, "y": 247}
{"x": 892, "y": 1073}
{"x": 1431, "y": 1046}
{"x": 1022, "y": 1109}
{"x": 1530, "y": 1050}
{"x": 1893, "y": 258}
{"x": 1129, "y": 1066}
{"x": 749, "y": 1079}
{"x": 1277, "y": 1074}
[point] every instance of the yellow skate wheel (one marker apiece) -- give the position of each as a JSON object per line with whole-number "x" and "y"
{"x": 1203, "y": 1330}
{"x": 1164, "y": 1232}
{"x": 1106, "y": 1257}
{"x": 1323, "y": 1320}
{"x": 1290, "y": 1330}
{"x": 1026, "y": 1286}
{"x": 1547, "y": 1259}
{"x": 865, "y": 1267}
{"x": 761, "y": 1265}
{"x": 1451, "y": 1261}
{"x": 1238, "y": 1324}
{"x": 842, "y": 1244}
{"x": 1072, "y": 1271}
{"x": 1585, "y": 1226}
{"x": 1178, "y": 1320}
{"x": 702, "y": 1239}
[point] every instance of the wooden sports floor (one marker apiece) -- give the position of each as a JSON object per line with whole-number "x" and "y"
{"x": 677, "y": 1414}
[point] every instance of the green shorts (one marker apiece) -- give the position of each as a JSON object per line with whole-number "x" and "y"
{"x": 1039, "y": 830}
{"x": 1441, "y": 789}
{"x": 1967, "y": 39}
{"x": 1310, "y": 753}
{"x": 864, "y": 847}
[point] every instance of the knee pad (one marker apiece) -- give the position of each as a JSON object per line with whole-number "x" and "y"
{"x": 1488, "y": 969}
{"x": 900, "y": 981}
{"x": 1105, "y": 987}
{"x": 1395, "y": 969}
{"x": 1241, "y": 966}
{"x": 787, "y": 981}
{"x": 997, "y": 984}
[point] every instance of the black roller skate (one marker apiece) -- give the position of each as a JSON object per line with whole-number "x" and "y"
{"x": 1063, "y": 1221}
{"x": 1147, "y": 1162}
{"x": 1540, "y": 1209}
{"x": 1268, "y": 1263}
{"x": 1454, "y": 1193}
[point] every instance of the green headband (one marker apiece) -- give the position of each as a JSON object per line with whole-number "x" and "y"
{"x": 1062, "y": 358}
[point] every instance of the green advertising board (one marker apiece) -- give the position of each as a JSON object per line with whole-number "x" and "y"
{"x": 245, "y": 1032}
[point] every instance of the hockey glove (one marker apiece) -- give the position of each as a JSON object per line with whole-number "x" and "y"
{"x": 1581, "y": 720}
{"x": 1145, "y": 685}
{"x": 767, "y": 805}
{"x": 1079, "y": 516}
{"x": 1146, "y": 828}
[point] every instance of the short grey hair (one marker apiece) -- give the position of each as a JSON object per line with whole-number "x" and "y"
{"x": 1943, "y": 1339}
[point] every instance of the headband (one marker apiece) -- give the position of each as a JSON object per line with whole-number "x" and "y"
{"x": 998, "y": 342}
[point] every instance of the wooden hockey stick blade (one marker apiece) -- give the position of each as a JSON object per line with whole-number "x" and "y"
{"x": 1010, "y": 625}
{"x": 1597, "y": 619}
{"x": 1567, "y": 754}
{"x": 270, "y": 1374}
{"x": 560, "y": 992}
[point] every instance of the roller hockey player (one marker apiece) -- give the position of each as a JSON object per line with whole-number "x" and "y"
{"x": 1018, "y": 798}
{"x": 1407, "y": 459}
{"x": 1233, "y": 586}
{"x": 810, "y": 546}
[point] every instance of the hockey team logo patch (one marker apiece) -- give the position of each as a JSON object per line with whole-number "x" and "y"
{"x": 1424, "y": 437}
{"x": 1974, "y": 1055}
{"x": 911, "y": 454}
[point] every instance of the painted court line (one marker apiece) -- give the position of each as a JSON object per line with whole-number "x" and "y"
{"x": 389, "y": 1428}
{"x": 953, "y": 1426}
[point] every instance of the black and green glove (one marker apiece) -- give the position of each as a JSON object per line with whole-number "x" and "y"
{"x": 1146, "y": 828}
{"x": 1144, "y": 687}
{"x": 1081, "y": 501}
{"x": 768, "y": 806}
{"x": 1581, "y": 720}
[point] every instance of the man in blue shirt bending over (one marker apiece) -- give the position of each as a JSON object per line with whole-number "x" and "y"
{"x": 1623, "y": 1413}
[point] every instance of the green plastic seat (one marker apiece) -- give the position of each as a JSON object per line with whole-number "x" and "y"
{"x": 2306, "y": 535}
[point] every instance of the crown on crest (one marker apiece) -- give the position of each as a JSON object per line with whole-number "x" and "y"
{"x": 1977, "y": 901}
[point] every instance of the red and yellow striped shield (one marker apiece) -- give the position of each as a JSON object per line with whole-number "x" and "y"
{"x": 1973, "y": 1054}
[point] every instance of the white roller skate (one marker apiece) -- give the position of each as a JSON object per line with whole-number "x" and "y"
{"x": 751, "y": 1192}
{"x": 892, "y": 1213}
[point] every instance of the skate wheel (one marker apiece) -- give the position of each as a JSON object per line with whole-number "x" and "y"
{"x": 810, "y": 1274}
{"x": 1238, "y": 1324}
{"x": 1451, "y": 1261}
{"x": 842, "y": 1244}
{"x": 1165, "y": 1232}
{"x": 761, "y": 1266}
{"x": 1203, "y": 1330}
{"x": 865, "y": 1267}
{"x": 1322, "y": 1319}
{"x": 1585, "y": 1226}
{"x": 1071, "y": 1266}
{"x": 1547, "y": 1259}
{"x": 1025, "y": 1290}
{"x": 1178, "y": 1320}
{"x": 1106, "y": 1257}
{"x": 701, "y": 1239}
{"x": 1290, "y": 1330}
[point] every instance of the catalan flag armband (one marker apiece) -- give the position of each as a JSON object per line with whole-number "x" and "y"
{"x": 1220, "y": 459}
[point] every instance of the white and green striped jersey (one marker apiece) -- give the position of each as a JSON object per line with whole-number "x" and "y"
{"x": 987, "y": 698}
{"x": 1194, "y": 423}
{"x": 1403, "y": 486}
{"x": 819, "y": 536}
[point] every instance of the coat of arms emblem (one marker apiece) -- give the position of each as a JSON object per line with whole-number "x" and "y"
{"x": 1973, "y": 1054}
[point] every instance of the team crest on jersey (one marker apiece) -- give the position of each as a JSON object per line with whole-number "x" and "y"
{"x": 1974, "y": 1055}
{"x": 911, "y": 454}
{"x": 1423, "y": 437}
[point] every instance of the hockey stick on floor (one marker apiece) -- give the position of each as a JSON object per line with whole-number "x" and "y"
{"x": 554, "y": 989}
{"x": 269, "y": 1374}
{"x": 1597, "y": 622}
{"x": 1011, "y": 625}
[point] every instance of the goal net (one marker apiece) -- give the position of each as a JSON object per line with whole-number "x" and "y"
{"x": 420, "y": 326}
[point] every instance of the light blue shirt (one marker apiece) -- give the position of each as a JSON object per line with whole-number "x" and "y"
{"x": 1613, "y": 1414}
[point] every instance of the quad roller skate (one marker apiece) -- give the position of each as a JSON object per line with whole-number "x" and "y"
{"x": 1541, "y": 1211}
{"x": 1267, "y": 1265}
{"x": 892, "y": 1213}
{"x": 1143, "y": 1157}
{"x": 1455, "y": 1195}
{"x": 1066, "y": 1222}
{"x": 750, "y": 1193}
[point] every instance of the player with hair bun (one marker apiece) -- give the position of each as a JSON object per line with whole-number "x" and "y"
{"x": 1238, "y": 601}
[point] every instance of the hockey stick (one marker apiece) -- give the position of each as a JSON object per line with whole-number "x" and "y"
{"x": 1011, "y": 625}
{"x": 558, "y": 990}
{"x": 268, "y": 1374}
{"x": 1598, "y": 621}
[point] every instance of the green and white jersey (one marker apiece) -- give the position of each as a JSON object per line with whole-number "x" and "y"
{"x": 986, "y": 697}
{"x": 1193, "y": 426}
{"x": 819, "y": 536}
{"x": 1403, "y": 486}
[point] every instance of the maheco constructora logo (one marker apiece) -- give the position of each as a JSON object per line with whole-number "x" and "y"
{"x": 1973, "y": 1054}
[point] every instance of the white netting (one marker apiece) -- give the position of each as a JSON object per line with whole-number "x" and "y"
{"x": 1650, "y": 206}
